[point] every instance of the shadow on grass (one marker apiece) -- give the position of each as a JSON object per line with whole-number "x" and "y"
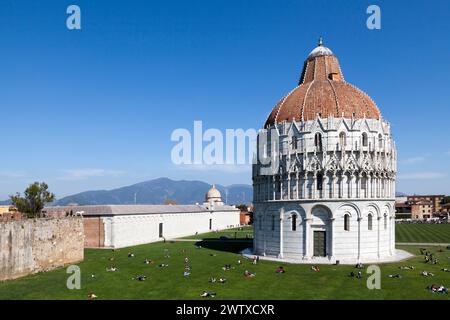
{"x": 233, "y": 246}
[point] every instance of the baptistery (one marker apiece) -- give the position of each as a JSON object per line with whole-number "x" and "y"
{"x": 324, "y": 175}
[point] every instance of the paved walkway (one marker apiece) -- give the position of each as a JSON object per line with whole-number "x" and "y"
{"x": 400, "y": 255}
{"x": 211, "y": 240}
{"x": 421, "y": 244}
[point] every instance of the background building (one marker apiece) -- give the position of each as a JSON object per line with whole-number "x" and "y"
{"x": 119, "y": 226}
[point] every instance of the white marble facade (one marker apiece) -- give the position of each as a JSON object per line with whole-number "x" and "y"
{"x": 329, "y": 170}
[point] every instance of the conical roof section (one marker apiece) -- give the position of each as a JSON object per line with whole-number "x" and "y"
{"x": 323, "y": 92}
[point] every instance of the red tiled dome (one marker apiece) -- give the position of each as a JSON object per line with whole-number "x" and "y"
{"x": 322, "y": 91}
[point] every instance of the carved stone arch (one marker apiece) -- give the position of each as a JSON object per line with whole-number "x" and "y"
{"x": 353, "y": 206}
{"x": 375, "y": 207}
{"x": 321, "y": 208}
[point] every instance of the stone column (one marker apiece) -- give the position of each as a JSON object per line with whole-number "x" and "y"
{"x": 324, "y": 192}
{"x": 297, "y": 185}
{"x": 289, "y": 186}
{"x": 332, "y": 238}
{"x": 280, "y": 255}
{"x": 307, "y": 238}
{"x": 273, "y": 187}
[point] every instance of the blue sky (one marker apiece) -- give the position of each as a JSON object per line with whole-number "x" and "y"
{"x": 94, "y": 108}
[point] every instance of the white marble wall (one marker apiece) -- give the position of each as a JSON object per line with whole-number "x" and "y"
{"x": 357, "y": 244}
{"x": 128, "y": 230}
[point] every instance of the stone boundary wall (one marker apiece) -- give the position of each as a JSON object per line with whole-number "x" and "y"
{"x": 34, "y": 245}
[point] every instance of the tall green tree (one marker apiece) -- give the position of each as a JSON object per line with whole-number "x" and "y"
{"x": 34, "y": 199}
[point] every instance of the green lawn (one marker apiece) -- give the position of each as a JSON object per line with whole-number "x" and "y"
{"x": 426, "y": 233}
{"x": 299, "y": 282}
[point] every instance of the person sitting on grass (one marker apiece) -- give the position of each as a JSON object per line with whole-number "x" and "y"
{"x": 112, "y": 269}
{"x": 163, "y": 265}
{"x": 130, "y": 255}
{"x": 141, "y": 278}
{"x": 427, "y": 274}
{"x": 315, "y": 268}
{"x": 395, "y": 276}
{"x": 352, "y": 274}
{"x": 212, "y": 280}
{"x": 280, "y": 269}
{"x": 249, "y": 274}
{"x": 222, "y": 280}
{"x": 207, "y": 294}
{"x": 186, "y": 274}
{"x": 359, "y": 266}
{"x": 359, "y": 275}
{"x": 226, "y": 267}
{"x": 146, "y": 261}
{"x": 92, "y": 296}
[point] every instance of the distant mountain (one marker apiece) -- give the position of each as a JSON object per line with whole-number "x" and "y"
{"x": 400, "y": 194}
{"x": 158, "y": 190}
{"x": 5, "y": 202}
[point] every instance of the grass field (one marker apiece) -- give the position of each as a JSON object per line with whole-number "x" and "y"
{"x": 426, "y": 233}
{"x": 299, "y": 282}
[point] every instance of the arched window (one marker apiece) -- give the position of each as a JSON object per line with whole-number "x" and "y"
{"x": 380, "y": 141}
{"x": 294, "y": 222}
{"x": 318, "y": 141}
{"x": 347, "y": 222}
{"x": 319, "y": 181}
{"x": 342, "y": 139}
{"x": 369, "y": 222}
{"x": 364, "y": 139}
{"x": 273, "y": 223}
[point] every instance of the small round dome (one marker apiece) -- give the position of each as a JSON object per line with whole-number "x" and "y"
{"x": 320, "y": 51}
{"x": 213, "y": 194}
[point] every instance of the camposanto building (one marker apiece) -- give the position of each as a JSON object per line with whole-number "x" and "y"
{"x": 118, "y": 226}
{"x": 324, "y": 180}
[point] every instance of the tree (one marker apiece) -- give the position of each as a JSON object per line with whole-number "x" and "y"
{"x": 34, "y": 199}
{"x": 242, "y": 207}
{"x": 170, "y": 201}
{"x": 446, "y": 200}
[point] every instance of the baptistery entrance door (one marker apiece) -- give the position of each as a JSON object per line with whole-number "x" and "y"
{"x": 320, "y": 243}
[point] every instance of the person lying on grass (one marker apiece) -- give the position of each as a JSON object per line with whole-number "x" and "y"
{"x": 434, "y": 288}
{"x": 227, "y": 267}
{"x": 207, "y": 294}
{"x": 280, "y": 269}
{"x": 163, "y": 265}
{"x": 395, "y": 276}
{"x": 186, "y": 274}
{"x": 130, "y": 255}
{"x": 357, "y": 275}
{"x": 427, "y": 274}
{"x": 406, "y": 268}
{"x": 249, "y": 274}
{"x": 141, "y": 278}
{"x": 446, "y": 270}
{"x": 112, "y": 269}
